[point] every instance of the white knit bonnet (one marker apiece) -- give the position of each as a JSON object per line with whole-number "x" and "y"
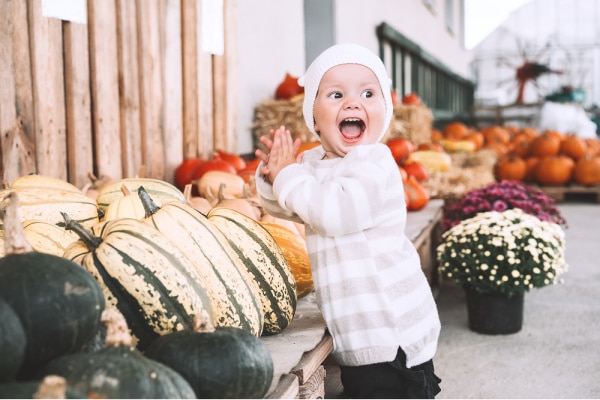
{"x": 337, "y": 55}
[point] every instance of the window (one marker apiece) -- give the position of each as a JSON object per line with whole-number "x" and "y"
{"x": 449, "y": 15}
{"x": 430, "y": 4}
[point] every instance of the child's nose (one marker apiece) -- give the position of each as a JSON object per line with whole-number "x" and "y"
{"x": 351, "y": 102}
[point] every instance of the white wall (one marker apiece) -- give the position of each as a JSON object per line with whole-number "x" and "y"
{"x": 270, "y": 41}
{"x": 356, "y": 22}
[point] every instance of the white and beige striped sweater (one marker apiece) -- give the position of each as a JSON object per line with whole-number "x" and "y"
{"x": 368, "y": 279}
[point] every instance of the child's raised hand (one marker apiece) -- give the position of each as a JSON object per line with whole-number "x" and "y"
{"x": 282, "y": 151}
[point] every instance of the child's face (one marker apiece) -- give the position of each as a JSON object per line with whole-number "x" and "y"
{"x": 349, "y": 109}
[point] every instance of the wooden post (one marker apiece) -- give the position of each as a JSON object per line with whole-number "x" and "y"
{"x": 48, "y": 92}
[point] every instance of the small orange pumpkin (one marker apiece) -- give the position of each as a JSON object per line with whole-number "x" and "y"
{"x": 456, "y": 130}
{"x": 587, "y": 170}
{"x": 573, "y": 146}
{"x": 544, "y": 145}
{"x": 510, "y": 167}
{"x": 418, "y": 196}
{"x": 554, "y": 170}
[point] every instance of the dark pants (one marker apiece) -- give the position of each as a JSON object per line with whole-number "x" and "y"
{"x": 391, "y": 380}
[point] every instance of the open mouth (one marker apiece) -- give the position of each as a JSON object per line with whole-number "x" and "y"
{"x": 352, "y": 128}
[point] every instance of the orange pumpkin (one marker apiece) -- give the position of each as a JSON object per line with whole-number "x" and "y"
{"x": 400, "y": 148}
{"x": 531, "y": 163}
{"x": 496, "y": 134}
{"x": 554, "y": 170}
{"x": 510, "y": 167}
{"x": 554, "y": 134}
{"x": 416, "y": 169}
{"x": 529, "y": 131}
{"x": 519, "y": 144}
{"x": 593, "y": 146}
{"x": 307, "y": 146}
{"x": 477, "y": 138}
{"x": 294, "y": 250}
{"x": 418, "y": 196}
{"x": 456, "y": 130}
{"x": 587, "y": 170}
{"x": 544, "y": 145}
{"x": 573, "y": 146}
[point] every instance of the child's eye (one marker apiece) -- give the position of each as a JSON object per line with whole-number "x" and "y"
{"x": 367, "y": 94}
{"x": 335, "y": 95}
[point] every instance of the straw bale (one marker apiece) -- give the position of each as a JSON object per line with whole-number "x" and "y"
{"x": 273, "y": 113}
{"x": 469, "y": 171}
{"x": 412, "y": 122}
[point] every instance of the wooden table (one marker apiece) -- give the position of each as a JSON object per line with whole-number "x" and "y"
{"x": 300, "y": 350}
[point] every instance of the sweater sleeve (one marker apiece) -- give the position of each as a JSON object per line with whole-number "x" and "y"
{"x": 345, "y": 199}
{"x": 269, "y": 200}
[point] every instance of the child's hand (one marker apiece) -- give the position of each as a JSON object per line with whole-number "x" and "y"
{"x": 282, "y": 152}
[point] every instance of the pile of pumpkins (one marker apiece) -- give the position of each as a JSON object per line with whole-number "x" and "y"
{"x": 527, "y": 154}
{"x": 415, "y": 163}
{"x": 187, "y": 282}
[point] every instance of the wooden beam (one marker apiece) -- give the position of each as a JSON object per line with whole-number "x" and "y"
{"x": 48, "y": 92}
{"x": 189, "y": 39}
{"x": 102, "y": 21}
{"x": 129, "y": 88}
{"x": 151, "y": 92}
{"x": 172, "y": 85}
{"x": 17, "y": 154}
{"x": 78, "y": 104}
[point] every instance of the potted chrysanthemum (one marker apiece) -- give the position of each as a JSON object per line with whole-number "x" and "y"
{"x": 500, "y": 256}
{"x": 501, "y": 196}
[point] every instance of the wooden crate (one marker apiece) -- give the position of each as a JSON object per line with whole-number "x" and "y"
{"x": 571, "y": 192}
{"x": 130, "y": 88}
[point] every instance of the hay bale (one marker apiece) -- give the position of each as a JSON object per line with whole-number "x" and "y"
{"x": 412, "y": 122}
{"x": 271, "y": 114}
{"x": 469, "y": 171}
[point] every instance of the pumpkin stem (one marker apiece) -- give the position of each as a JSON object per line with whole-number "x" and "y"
{"x": 91, "y": 241}
{"x": 187, "y": 193}
{"x": 202, "y": 323}
{"x": 125, "y": 190}
{"x": 117, "y": 331}
{"x": 15, "y": 241}
{"x": 150, "y": 206}
{"x": 52, "y": 387}
{"x": 221, "y": 192}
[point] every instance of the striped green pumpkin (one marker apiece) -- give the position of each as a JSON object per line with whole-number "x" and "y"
{"x": 44, "y": 237}
{"x": 161, "y": 191}
{"x": 264, "y": 263}
{"x": 48, "y": 205}
{"x": 143, "y": 274}
{"x": 236, "y": 302}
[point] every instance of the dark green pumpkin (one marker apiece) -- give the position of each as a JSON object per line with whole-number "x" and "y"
{"x": 36, "y": 390}
{"x": 225, "y": 363}
{"x": 12, "y": 342}
{"x": 119, "y": 370}
{"x": 58, "y": 303}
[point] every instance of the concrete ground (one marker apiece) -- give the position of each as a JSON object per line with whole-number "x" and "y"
{"x": 557, "y": 352}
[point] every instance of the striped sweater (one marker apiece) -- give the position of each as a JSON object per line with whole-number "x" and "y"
{"x": 369, "y": 284}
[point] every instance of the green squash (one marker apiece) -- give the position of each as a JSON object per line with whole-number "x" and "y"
{"x": 51, "y": 387}
{"x": 58, "y": 303}
{"x": 219, "y": 363}
{"x": 12, "y": 342}
{"x": 119, "y": 371}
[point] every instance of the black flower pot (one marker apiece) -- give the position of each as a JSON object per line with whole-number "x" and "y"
{"x": 494, "y": 313}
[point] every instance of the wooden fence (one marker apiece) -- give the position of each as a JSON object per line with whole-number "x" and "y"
{"x": 132, "y": 88}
